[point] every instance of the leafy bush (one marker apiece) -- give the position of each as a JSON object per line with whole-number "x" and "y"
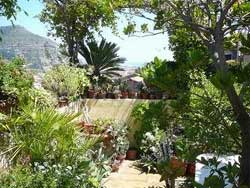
{"x": 220, "y": 176}
{"x": 66, "y": 81}
{"x": 150, "y": 115}
{"x": 13, "y": 77}
{"x": 118, "y": 132}
{"x": 152, "y": 151}
{"x": 51, "y": 150}
{"x": 165, "y": 75}
{"x": 40, "y": 97}
{"x": 43, "y": 175}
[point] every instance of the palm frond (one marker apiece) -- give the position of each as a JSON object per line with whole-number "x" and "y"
{"x": 103, "y": 57}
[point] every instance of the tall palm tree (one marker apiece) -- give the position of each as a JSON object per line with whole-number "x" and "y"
{"x": 103, "y": 58}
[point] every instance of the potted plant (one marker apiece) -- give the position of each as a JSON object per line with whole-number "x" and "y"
{"x": 116, "y": 93}
{"x": 132, "y": 94}
{"x": 65, "y": 81}
{"x": 122, "y": 145}
{"x": 101, "y": 94}
{"x": 109, "y": 91}
{"x": 132, "y": 154}
{"x": 190, "y": 171}
{"x": 108, "y": 136}
{"x": 87, "y": 127}
{"x": 170, "y": 169}
{"x": 144, "y": 92}
{"x": 124, "y": 90}
{"x": 63, "y": 101}
{"x": 91, "y": 93}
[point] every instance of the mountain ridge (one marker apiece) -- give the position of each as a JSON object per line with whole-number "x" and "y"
{"x": 39, "y": 52}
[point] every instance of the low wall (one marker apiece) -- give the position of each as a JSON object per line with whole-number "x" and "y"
{"x": 119, "y": 109}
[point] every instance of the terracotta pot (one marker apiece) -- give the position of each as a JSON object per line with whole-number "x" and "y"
{"x": 124, "y": 94}
{"x": 177, "y": 164}
{"x": 89, "y": 128}
{"x": 109, "y": 96}
{"x": 158, "y": 96}
{"x": 101, "y": 95}
{"x": 132, "y": 95}
{"x": 63, "y": 102}
{"x": 151, "y": 96}
{"x": 116, "y": 95}
{"x": 91, "y": 94}
{"x": 190, "y": 171}
{"x": 144, "y": 96}
{"x": 107, "y": 137}
{"x": 132, "y": 154}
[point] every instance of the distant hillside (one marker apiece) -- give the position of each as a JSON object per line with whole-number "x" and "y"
{"x": 39, "y": 52}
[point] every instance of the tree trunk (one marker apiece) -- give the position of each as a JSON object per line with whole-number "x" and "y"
{"x": 244, "y": 179}
{"x": 241, "y": 115}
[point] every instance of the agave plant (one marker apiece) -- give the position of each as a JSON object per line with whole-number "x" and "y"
{"x": 103, "y": 58}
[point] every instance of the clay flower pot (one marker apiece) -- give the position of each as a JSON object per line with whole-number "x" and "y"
{"x": 91, "y": 94}
{"x": 132, "y": 95}
{"x": 190, "y": 171}
{"x": 124, "y": 94}
{"x": 88, "y": 128}
{"x": 177, "y": 164}
{"x": 132, "y": 154}
{"x": 63, "y": 102}
{"x": 101, "y": 95}
{"x": 116, "y": 95}
{"x": 109, "y": 95}
{"x": 144, "y": 96}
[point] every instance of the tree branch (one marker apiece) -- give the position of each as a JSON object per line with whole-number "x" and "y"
{"x": 225, "y": 12}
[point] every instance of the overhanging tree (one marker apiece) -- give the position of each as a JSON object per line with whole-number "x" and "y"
{"x": 8, "y": 8}
{"x": 76, "y": 20}
{"x": 212, "y": 21}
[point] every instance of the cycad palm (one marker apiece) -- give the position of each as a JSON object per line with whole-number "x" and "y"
{"x": 103, "y": 58}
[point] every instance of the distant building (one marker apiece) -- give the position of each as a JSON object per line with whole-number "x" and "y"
{"x": 134, "y": 82}
{"x": 232, "y": 55}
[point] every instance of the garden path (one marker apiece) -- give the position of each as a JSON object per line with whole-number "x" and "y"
{"x": 130, "y": 177}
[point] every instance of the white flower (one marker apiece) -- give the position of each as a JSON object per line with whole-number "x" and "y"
{"x": 46, "y": 164}
{"x": 69, "y": 168}
{"x": 78, "y": 178}
{"x": 36, "y": 164}
{"x": 41, "y": 167}
{"x": 150, "y": 136}
{"x": 153, "y": 149}
{"x": 58, "y": 172}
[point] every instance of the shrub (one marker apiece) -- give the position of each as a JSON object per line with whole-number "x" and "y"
{"x": 13, "y": 77}
{"x": 150, "y": 116}
{"x": 40, "y": 97}
{"x": 47, "y": 150}
{"x": 66, "y": 81}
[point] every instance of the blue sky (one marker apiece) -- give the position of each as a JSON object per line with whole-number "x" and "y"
{"x": 137, "y": 50}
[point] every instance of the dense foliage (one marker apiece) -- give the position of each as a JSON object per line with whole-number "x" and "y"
{"x": 66, "y": 81}
{"x": 9, "y": 8}
{"x": 14, "y": 78}
{"x": 74, "y": 21}
{"x": 47, "y": 149}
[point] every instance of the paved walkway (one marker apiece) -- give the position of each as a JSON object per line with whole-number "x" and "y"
{"x": 130, "y": 177}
